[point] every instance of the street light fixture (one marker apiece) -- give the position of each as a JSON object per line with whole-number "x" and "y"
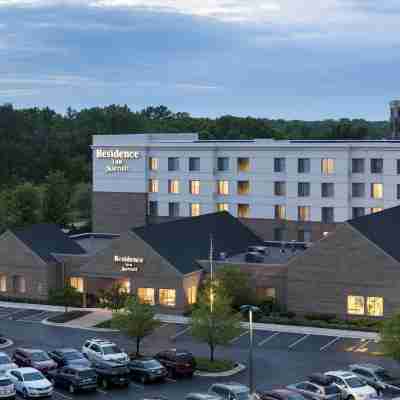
{"x": 250, "y": 309}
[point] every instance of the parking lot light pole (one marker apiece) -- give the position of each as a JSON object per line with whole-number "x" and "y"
{"x": 250, "y": 309}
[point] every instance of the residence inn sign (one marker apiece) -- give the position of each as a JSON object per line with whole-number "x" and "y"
{"x": 128, "y": 263}
{"x": 118, "y": 158}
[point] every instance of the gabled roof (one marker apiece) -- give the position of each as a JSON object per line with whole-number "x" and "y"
{"x": 47, "y": 239}
{"x": 382, "y": 229}
{"x": 184, "y": 241}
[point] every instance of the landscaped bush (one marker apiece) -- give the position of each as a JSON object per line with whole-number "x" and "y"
{"x": 205, "y": 365}
{"x": 320, "y": 317}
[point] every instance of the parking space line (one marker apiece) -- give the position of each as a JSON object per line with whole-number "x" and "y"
{"x": 268, "y": 338}
{"x": 101, "y": 391}
{"x": 298, "y": 341}
{"x": 62, "y": 395}
{"x": 180, "y": 333}
{"x": 363, "y": 347}
{"x": 235, "y": 339}
{"x": 325, "y": 346}
{"x": 170, "y": 380}
{"x": 137, "y": 385}
{"x": 9, "y": 315}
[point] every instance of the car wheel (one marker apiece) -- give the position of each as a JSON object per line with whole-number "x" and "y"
{"x": 104, "y": 383}
{"x": 71, "y": 389}
{"x": 350, "y": 397}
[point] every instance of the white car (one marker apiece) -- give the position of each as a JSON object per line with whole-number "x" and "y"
{"x": 6, "y": 363}
{"x": 7, "y": 388}
{"x": 104, "y": 350}
{"x": 352, "y": 387}
{"x": 30, "y": 382}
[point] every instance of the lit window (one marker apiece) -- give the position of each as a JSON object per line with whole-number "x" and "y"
{"x": 375, "y": 306}
{"x": 280, "y": 212}
{"x": 126, "y": 286}
{"x": 222, "y": 207}
{"x": 192, "y": 295}
{"x": 167, "y": 297}
{"x": 304, "y": 213}
{"x": 76, "y": 283}
{"x": 355, "y": 305}
{"x": 327, "y": 166}
{"x": 153, "y": 185}
{"x": 173, "y": 186}
{"x": 3, "y": 283}
{"x": 223, "y": 187}
{"x": 153, "y": 164}
{"x": 194, "y": 209}
{"x": 146, "y": 295}
{"x": 243, "y": 187}
{"x": 243, "y": 164}
{"x": 243, "y": 210}
{"x": 265, "y": 293}
{"x": 374, "y": 210}
{"x": 194, "y": 187}
{"x": 377, "y": 190}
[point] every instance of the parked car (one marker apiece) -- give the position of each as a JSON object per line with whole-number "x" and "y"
{"x": 7, "y": 388}
{"x": 74, "y": 378}
{"x": 64, "y": 357}
{"x": 280, "y": 394}
{"x": 104, "y": 350}
{"x": 34, "y": 358}
{"x": 30, "y": 382}
{"x": 353, "y": 387}
{"x": 6, "y": 363}
{"x": 177, "y": 362}
{"x": 202, "y": 396}
{"x": 147, "y": 369}
{"x": 379, "y": 378}
{"x": 111, "y": 373}
{"x": 230, "y": 391}
{"x": 318, "y": 387}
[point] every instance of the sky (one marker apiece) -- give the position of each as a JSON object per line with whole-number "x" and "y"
{"x": 292, "y": 59}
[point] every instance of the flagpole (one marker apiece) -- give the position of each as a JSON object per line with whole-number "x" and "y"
{"x": 211, "y": 275}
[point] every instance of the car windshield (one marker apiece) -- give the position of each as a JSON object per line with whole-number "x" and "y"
{"x": 151, "y": 364}
{"x": 112, "y": 350}
{"x": 72, "y": 355}
{"x": 5, "y": 360}
{"x": 40, "y": 356}
{"x": 332, "y": 389}
{"x": 33, "y": 376}
{"x": 355, "y": 382}
{"x": 384, "y": 375}
{"x": 243, "y": 395}
{"x": 5, "y": 382}
{"x": 87, "y": 374}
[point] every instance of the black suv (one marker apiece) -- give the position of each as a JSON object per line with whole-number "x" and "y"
{"x": 177, "y": 362}
{"x": 65, "y": 357}
{"x": 147, "y": 369}
{"x": 111, "y": 373}
{"x": 74, "y": 378}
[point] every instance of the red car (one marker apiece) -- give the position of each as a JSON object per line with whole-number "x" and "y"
{"x": 34, "y": 358}
{"x": 177, "y": 362}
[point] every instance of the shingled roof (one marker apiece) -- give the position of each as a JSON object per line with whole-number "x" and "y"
{"x": 183, "y": 241}
{"x": 382, "y": 229}
{"x": 47, "y": 239}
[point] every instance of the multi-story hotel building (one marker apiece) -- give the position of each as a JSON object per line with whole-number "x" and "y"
{"x": 283, "y": 190}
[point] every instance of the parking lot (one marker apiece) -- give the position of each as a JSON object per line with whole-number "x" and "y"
{"x": 20, "y": 314}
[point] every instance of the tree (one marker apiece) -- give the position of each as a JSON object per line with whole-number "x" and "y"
{"x": 67, "y": 296}
{"x": 216, "y": 325}
{"x": 136, "y": 320}
{"x": 114, "y": 298}
{"x": 56, "y": 198}
{"x": 390, "y": 337}
{"x": 81, "y": 201}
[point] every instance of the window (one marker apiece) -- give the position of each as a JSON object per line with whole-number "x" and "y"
{"x": 398, "y": 191}
{"x": 146, "y": 295}
{"x": 328, "y": 166}
{"x": 374, "y": 210}
{"x": 167, "y": 297}
{"x": 303, "y": 213}
{"x": 303, "y": 165}
{"x": 153, "y": 185}
{"x": 327, "y": 190}
{"x": 3, "y": 283}
{"x": 153, "y": 164}
{"x": 173, "y": 209}
{"x": 173, "y": 163}
{"x": 265, "y": 293}
{"x": 377, "y": 190}
{"x": 223, "y": 164}
{"x": 153, "y": 208}
{"x": 375, "y": 306}
{"x": 279, "y": 165}
{"x": 243, "y": 164}
{"x": 192, "y": 295}
{"x": 357, "y": 165}
{"x": 398, "y": 166}
{"x": 222, "y": 207}
{"x": 279, "y": 234}
{"x": 355, "y": 305}
{"x": 243, "y": 210}
{"x": 358, "y": 212}
{"x": 173, "y": 186}
{"x": 194, "y": 187}
{"x": 303, "y": 189}
{"x": 125, "y": 286}
{"x": 358, "y": 189}
{"x": 194, "y": 209}
{"x": 19, "y": 284}
{"x": 304, "y": 235}
{"x": 280, "y": 212}
{"x": 76, "y": 283}
{"x": 279, "y": 188}
{"x": 376, "y": 165}
{"x": 243, "y": 187}
{"x": 194, "y": 164}
{"x": 223, "y": 187}
{"x": 327, "y": 215}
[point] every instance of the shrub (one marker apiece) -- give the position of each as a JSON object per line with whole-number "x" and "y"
{"x": 320, "y": 317}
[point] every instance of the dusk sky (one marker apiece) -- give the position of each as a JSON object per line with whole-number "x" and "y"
{"x": 294, "y": 59}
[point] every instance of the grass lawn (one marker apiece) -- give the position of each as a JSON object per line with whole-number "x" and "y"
{"x": 205, "y": 365}
{"x": 104, "y": 324}
{"x": 68, "y": 316}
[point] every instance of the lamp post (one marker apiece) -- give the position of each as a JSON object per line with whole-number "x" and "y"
{"x": 250, "y": 309}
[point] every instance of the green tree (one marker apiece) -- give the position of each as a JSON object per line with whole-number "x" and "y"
{"x": 113, "y": 298}
{"x": 215, "y": 324}
{"x": 136, "y": 320}
{"x": 390, "y": 337}
{"x": 67, "y": 296}
{"x": 81, "y": 202}
{"x": 56, "y": 199}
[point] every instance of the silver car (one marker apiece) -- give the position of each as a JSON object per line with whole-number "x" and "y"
{"x": 6, "y": 363}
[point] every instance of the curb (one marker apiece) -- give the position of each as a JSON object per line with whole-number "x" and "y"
{"x": 234, "y": 371}
{"x": 66, "y": 325}
{"x": 8, "y": 343}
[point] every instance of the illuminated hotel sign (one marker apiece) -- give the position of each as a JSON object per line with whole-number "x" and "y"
{"x": 128, "y": 264}
{"x": 119, "y": 159}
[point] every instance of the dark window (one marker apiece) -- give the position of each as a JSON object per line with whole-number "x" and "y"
{"x": 173, "y": 209}
{"x": 327, "y": 215}
{"x": 279, "y": 188}
{"x": 376, "y": 165}
{"x": 303, "y": 165}
{"x": 303, "y": 189}
{"x": 153, "y": 208}
{"x": 279, "y": 165}
{"x": 279, "y": 234}
{"x": 358, "y": 212}
{"x": 304, "y": 235}
{"x": 223, "y": 163}
{"x": 358, "y": 189}
{"x": 398, "y": 192}
{"x": 173, "y": 163}
{"x": 398, "y": 166}
{"x": 194, "y": 164}
{"x": 357, "y": 165}
{"x": 327, "y": 190}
